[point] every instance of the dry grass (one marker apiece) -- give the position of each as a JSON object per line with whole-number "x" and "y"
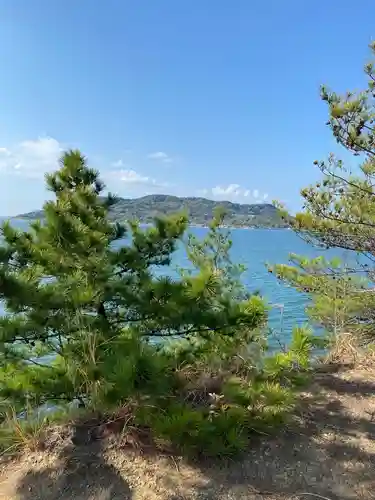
{"x": 23, "y": 435}
{"x": 328, "y": 453}
{"x": 344, "y": 347}
{"x": 346, "y": 352}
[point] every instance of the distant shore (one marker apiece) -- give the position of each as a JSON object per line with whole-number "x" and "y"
{"x": 195, "y": 225}
{"x": 199, "y": 210}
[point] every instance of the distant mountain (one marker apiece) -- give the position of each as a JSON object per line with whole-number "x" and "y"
{"x": 200, "y": 211}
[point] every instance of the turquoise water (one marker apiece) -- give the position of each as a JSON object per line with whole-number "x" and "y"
{"x": 254, "y": 248}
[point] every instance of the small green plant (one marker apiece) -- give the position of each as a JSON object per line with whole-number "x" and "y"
{"x": 217, "y": 407}
{"x": 202, "y": 431}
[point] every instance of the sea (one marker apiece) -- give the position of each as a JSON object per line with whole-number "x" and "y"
{"x": 255, "y": 248}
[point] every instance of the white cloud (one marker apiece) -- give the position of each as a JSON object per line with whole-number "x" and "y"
{"x": 118, "y": 164}
{"x": 125, "y": 180}
{"x": 234, "y": 192}
{"x": 130, "y": 182}
{"x": 45, "y": 149}
{"x": 129, "y": 177}
{"x": 31, "y": 158}
{"x": 160, "y": 156}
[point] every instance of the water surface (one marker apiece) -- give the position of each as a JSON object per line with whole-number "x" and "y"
{"x": 254, "y": 248}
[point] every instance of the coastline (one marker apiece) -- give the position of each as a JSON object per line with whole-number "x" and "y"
{"x": 195, "y": 225}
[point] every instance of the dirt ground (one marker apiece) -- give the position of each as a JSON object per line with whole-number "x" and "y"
{"x": 328, "y": 453}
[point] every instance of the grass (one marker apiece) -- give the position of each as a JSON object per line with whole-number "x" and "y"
{"x": 18, "y": 433}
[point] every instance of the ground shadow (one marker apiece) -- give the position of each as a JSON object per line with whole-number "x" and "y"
{"x": 80, "y": 472}
{"x": 328, "y": 451}
{"x": 340, "y": 386}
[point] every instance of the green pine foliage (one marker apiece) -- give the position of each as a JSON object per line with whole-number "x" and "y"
{"x": 339, "y": 212}
{"x": 336, "y": 294}
{"x": 92, "y": 318}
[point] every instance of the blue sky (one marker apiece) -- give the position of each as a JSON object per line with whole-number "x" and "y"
{"x": 184, "y": 97}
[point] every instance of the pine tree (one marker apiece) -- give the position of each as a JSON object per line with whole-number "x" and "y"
{"x": 210, "y": 257}
{"x": 335, "y": 295}
{"x": 84, "y": 307}
{"x": 339, "y": 212}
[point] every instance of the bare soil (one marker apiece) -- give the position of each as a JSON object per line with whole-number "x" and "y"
{"x": 328, "y": 453}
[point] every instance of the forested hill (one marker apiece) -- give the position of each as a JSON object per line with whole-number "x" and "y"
{"x": 200, "y": 211}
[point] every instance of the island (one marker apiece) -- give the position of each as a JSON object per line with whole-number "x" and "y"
{"x": 200, "y": 210}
